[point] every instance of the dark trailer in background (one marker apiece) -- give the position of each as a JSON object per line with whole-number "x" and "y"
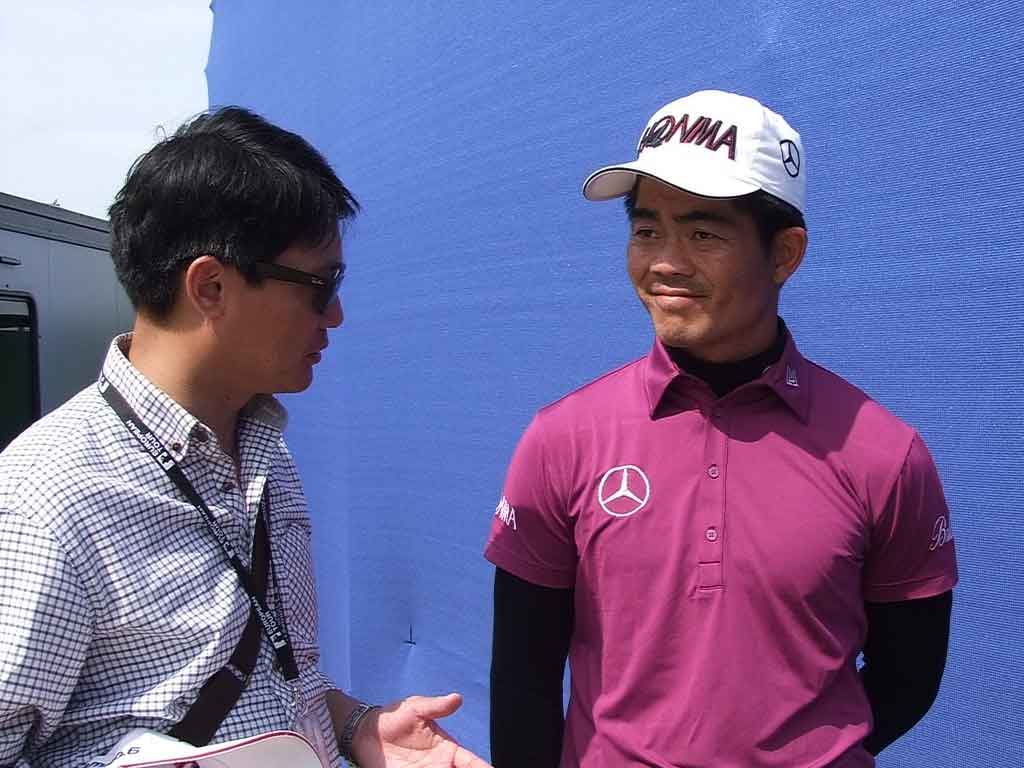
{"x": 60, "y": 304}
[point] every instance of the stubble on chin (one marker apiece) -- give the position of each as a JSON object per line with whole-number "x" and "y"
{"x": 674, "y": 330}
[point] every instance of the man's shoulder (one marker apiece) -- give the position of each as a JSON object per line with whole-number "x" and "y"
{"x": 57, "y": 455}
{"x": 867, "y": 428}
{"x": 593, "y": 409}
{"x": 618, "y": 388}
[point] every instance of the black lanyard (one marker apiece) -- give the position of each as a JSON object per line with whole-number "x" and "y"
{"x": 273, "y": 629}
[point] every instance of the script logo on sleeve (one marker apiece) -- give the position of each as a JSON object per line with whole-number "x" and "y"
{"x": 506, "y": 513}
{"x": 940, "y": 533}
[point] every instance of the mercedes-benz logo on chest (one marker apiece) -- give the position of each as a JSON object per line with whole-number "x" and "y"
{"x": 624, "y": 490}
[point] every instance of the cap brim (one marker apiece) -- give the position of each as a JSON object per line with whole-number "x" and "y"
{"x": 148, "y": 749}
{"x": 617, "y": 180}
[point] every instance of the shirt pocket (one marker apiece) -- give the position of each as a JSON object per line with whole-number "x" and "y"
{"x": 293, "y": 564}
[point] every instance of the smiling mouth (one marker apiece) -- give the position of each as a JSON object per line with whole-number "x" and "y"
{"x": 675, "y": 302}
{"x": 670, "y": 294}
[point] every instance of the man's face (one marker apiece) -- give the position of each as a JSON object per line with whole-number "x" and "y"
{"x": 277, "y": 334}
{"x": 699, "y": 267}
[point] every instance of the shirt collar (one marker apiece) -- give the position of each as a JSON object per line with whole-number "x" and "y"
{"x": 266, "y": 410}
{"x": 174, "y": 426}
{"x": 788, "y": 378}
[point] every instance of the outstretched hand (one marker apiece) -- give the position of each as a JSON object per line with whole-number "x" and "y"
{"x": 404, "y": 735}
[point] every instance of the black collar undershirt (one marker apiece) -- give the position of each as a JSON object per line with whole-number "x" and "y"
{"x": 723, "y": 378}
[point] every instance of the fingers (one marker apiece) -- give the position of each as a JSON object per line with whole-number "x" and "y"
{"x": 433, "y": 707}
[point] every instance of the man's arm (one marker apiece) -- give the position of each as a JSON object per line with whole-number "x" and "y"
{"x": 904, "y": 657}
{"x": 47, "y": 624}
{"x": 532, "y": 628}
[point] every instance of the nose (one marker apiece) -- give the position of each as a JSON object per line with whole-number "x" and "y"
{"x": 674, "y": 259}
{"x": 333, "y": 315}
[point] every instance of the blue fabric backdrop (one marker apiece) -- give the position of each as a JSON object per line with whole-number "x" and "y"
{"x": 482, "y": 286}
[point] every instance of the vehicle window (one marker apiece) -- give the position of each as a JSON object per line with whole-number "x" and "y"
{"x": 19, "y": 384}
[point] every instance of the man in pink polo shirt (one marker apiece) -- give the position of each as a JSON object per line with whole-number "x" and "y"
{"x": 714, "y": 533}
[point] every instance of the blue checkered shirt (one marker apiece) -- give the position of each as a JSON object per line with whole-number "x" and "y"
{"x": 116, "y": 604}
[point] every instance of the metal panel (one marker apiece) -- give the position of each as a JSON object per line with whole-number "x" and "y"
{"x": 80, "y": 307}
{"x": 82, "y": 317}
{"x": 19, "y": 386}
{"x": 31, "y": 218}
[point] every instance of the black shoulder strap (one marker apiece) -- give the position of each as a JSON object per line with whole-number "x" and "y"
{"x": 223, "y": 689}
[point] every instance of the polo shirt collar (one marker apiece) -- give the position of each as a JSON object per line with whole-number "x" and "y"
{"x": 787, "y": 378}
{"x": 175, "y": 427}
{"x": 659, "y": 372}
{"x": 790, "y": 379}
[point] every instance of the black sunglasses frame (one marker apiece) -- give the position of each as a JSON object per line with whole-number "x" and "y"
{"x": 324, "y": 288}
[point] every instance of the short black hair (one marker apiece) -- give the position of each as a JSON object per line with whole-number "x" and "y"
{"x": 230, "y": 184}
{"x": 770, "y": 213}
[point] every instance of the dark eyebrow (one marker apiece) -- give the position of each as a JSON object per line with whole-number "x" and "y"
{"x": 709, "y": 216}
{"x": 648, "y": 214}
{"x": 645, "y": 214}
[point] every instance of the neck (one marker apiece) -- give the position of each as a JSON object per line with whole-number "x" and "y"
{"x": 187, "y": 372}
{"x": 723, "y": 377}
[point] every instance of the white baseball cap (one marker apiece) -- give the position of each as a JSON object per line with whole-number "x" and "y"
{"x": 141, "y": 748}
{"x": 712, "y": 144}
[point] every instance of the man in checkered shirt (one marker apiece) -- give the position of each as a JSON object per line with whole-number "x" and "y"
{"x": 116, "y": 603}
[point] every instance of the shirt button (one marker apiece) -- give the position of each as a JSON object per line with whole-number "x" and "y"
{"x": 176, "y": 447}
{"x": 228, "y": 486}
{"x": 713, "y": 472}
{"x": 200, "y": 435}
{"x": 711, "y": 534}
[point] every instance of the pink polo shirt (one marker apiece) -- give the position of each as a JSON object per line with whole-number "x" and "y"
{"x": 721, "y": 553}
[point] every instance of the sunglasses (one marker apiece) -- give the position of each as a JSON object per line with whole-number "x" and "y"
{"x": 324, "y": 288}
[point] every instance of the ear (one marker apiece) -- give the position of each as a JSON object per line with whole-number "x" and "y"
{"x": 788, "y": 248}
{"x": 203, "y": 286}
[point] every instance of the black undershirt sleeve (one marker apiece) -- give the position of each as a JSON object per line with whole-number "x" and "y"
{"x": 904, "y": 657}
{"x": 532, "y": 627}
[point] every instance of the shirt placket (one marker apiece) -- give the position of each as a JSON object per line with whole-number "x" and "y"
{"x": 219, "y": 488}
{"x": 711, "y": 507}
{"x": 255, "y": 456}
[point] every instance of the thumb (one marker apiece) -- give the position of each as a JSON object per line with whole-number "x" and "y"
{"x": 433, "y": 707}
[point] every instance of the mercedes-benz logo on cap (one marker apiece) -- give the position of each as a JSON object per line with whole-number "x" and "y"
{"x": 790, "y": 157}
{"x": 624, "y": 490}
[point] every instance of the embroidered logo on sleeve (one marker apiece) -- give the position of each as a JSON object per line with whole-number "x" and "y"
{"x": 506, "y": 513}
{"x": 940, "y": 533}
